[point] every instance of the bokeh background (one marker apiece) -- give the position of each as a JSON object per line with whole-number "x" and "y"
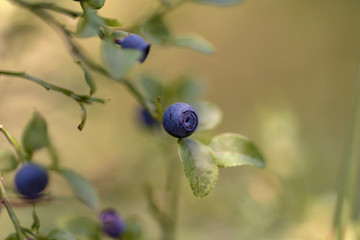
{"x": 283, "y": 76}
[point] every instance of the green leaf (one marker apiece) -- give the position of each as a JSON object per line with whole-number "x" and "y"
{"x": 83, "y": 226}
{"x": 35, "y": 135}
{"x": 112, "y": 22}
{"x": 8, "y": 161}
{"x": 119, "y": 61}
{"x": 195, "y": 42}
{"x": 12, "y": 236}
{"x": 89, "y": 24}
{"x": 88, "y": 78}
{"x": 151, "y": 86}
{"x": 60, "y": 234}
{"x": 156, "y": 30}
{"x": 218, "y": 2}
{"x": 96, "y": 4}
{"x": 132, "y": 231}
{"x": 199, "y": 166}
{"x": 186, "y": 88}
{"x": 232, "y": 150}
{"x": 82, "y": 189}
{"x": 209, "y": 114}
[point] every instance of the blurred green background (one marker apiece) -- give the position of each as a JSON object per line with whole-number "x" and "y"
{"x": 283, "y": 75}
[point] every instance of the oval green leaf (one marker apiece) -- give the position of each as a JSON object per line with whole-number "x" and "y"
{"x": 195, "y": 42}
{"x": 82, "y": 188}
{"x": 151, "y": 86}
{"x": 119, "y": 61}
{"x": 232, "y": 150}
{"x": 83, "y": 226}
{"x": 88, "y": 78}
{"x": 199, "y": 166}
{"x": 35, "y": 135}
{"x": 112, "y": 22}
{"x": 8, "y": 161}
{"x": 156, "y": 30}
{"x": 89, "y": 24}
{"x": 60, "y": 234}
{"x": 209, "y": 114}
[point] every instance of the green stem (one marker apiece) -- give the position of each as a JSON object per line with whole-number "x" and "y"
{"x": 83, "y": 117}
{"x": 10, "y": 211}
{"x": 350, "y": 163}
{"x": 173, "y": 188}
{"x": 49, "y": 86}
{"x": 14, "y": 143}
{"x": 55, "y": 8}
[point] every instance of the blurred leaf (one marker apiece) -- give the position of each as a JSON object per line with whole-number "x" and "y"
{"x": 89, "y": 24}
{"x": 156, "y": 30}
{"x": 119, "y": 61}
{"x": 209, "y": 115}
{"x": 88, "y": 78}
{"x": 60, "y": 234}
{"x": 35, "y": 135}
{"x": 36, "y": 221}
{"x": 82, "y": 189}
{"x": 132, "y": 231}
{"x": 187, "y": 87}
{"x": 199, "y": 166}
{"x": 12, "y": 236}
{"x": 83, "y": 226}
{"x": 151, "y": 86}
{"x": 112, "y": 22}
{"x": 96, "y": 4}
{"x": 8, "y": 161}
{"x": 232, "y": 150}
{"x": 195, "y": 42}
{"x": 218, "y": 2}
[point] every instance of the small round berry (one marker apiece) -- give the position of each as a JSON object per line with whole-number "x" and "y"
{"x": 134, "y": 41}
{"x": 180, "y": 120}
{"x": 31, "y": 180}
{"x": 112, "y": 223}
{"x": 146, "y": 119}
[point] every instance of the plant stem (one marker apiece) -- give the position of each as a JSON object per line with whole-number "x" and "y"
{"x": 49, "y": 86}
{"x": 10, "y": 211}
{"x": 350, "y": 164}
{"x": 55, "y": 8}
{"x": 14, "y": 143}
{"x": 173, "y": 188}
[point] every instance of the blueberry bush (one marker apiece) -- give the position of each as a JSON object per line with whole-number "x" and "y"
{"x": 172, "y": 115}
{"x": 124, "y": 48}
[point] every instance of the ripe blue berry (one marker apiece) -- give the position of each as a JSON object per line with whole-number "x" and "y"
{"x": 134, "y": 41}
{"x": 112, "y": 223}
{"x": 146, "y": 118}
{"x": 31, "y": 180}
{"x": 180, "y": 120}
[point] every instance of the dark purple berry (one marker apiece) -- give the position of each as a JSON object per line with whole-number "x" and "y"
{"x": 112, "y": 223}
{"x": 134, "y": 41}
{"x": 180, "y": 120}
{"x": 146, "y": 118}
{"x": 31, "y": 180}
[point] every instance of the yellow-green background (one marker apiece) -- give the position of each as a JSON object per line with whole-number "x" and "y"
{"x": 282, "y": 75}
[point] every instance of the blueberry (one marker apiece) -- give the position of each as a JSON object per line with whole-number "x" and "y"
{"x": 134, "y": 41}
{"x": 112, "y": 223}
{"x": 146, "y": 118}
{"x": 31, "y": 180}
{"x": 180, "y": 120}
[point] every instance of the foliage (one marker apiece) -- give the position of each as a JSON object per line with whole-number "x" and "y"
{"x": 200, "y": 161}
